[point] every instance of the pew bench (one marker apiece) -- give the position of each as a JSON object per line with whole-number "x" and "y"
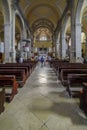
{"x": 2, "y": 100}
{"x": 83, "y": 98}
{"x": 20, "y": 75}
{"x": 16, "y": 67}
{"x": 64, "y": 74}
{"x": 10, "y": 84}
{"x": 70, "y": 66}
{"x": 75, "y": 84}
{"x": 32, "y": 64}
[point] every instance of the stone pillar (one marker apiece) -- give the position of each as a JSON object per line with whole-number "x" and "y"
{"x": 23, "y": 34}
{"x": 78, "y": 41}
{"x": 7, "y": 44}
{"x": 76, "y": 46}
{"x": 12, "y": 49}
{"x": 29, "y": 53}
{"x": 23, "y": 43}
{"x": 60, "y": 46}
{"x": 73, "y": 33}
{"x": 31, "y": 44}
{"x": 56, "y": 50}
{"x": 86, "y": 48}
{"x": 64, "y": 47}
{"x": 55, "y": 44}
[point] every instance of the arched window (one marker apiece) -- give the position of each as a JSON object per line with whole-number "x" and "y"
{"x": 43, "y": 34}
{"x": 43, "y": 38}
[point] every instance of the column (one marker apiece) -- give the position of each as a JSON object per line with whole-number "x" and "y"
{"x": 78, "y": 41}
{"x": 56, "y": 48}
{"x": 29, "y": 53}
{"x": 73, "y": 33}
{"x": 7, "y": 44}
{"x": 23, "y": 36}
{"x": 55, "y": 45}
{"x": 64, "y": 47}
{"x": 86, "y": 48}
{"x": 23, "y": 42}
{"x": 60, "y": 47}
{"x": 12, "y": 49}
{"x": 54, "y": 51}
{"x": 31, "y": 45}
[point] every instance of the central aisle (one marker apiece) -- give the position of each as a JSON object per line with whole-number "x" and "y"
{"x": 43, "y": 104}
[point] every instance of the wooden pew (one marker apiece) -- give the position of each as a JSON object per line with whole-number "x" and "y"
{"x": 10, "y": 84}
{"x": 2, "y": 100}
{"x": 57, "y": 64}
{"x": 31, "y": 63}
{"x": 70, "y": 66}
{"x": 20, "y": 74}
{"x": 64, "y": 74}
{"x": 83, "y": 98}
{"x": 16, "y": 67}
{"x": 75, "y": 83}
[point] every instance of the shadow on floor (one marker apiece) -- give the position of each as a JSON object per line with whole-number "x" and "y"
{"x": 63, "y": 107}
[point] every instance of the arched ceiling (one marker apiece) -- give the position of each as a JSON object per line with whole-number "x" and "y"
{"x": 50, "y": 10}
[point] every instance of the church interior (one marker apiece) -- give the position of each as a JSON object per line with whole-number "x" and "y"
{"x": 43, "y": 64}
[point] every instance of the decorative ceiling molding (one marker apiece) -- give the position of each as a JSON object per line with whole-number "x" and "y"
{"x": 42, "y": 23}
{"x": 47, "y": 9}
{"x": 27, "y": 6}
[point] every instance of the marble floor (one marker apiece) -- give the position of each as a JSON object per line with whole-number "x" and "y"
{"x": 43, "y": 104}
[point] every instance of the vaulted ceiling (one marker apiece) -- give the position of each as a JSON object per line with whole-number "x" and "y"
{"x": 49, "y": 11}
{"x": 43, "y": 13}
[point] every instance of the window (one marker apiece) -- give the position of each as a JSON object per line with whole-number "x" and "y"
{"x": 43, "y": 38}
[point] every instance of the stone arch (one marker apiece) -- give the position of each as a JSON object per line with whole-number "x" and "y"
{"x": 6, "y": 11}
{"x": 22, "y": 25}
{"x": 78, "y": 11}
{"x": 65, "y": 31}
{"x": 18, "y": 28}
{"x": 19, "y": 21}
{"x": 83, "y": 7}
{"x": 6, "y": 29}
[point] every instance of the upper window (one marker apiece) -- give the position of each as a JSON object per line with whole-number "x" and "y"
{"x": 43, "y": 38}
{"x": 43, "y": 34}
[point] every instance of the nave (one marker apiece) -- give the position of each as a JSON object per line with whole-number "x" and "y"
{"x": 43, "y": 104}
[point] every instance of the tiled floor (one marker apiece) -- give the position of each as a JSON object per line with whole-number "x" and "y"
{"x": 43, "y": 104}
